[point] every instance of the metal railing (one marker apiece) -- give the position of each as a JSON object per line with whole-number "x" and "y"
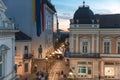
{"x": 28, "y": 56}
{"x": 84, "y": 55}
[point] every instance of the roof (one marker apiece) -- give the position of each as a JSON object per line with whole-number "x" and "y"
{"x": 109, "y": 20}
{"x": 50, "y": 5}
{"x": 20, "y": 36}
{"x": 83, "y": 15}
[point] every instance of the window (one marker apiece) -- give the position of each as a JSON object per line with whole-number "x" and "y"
{"x": 26, "y": 49}
{"x": 84, "y": 47}
{"x": 89, "y": 70}
{"x": 118, "y": 47}
{"x": 15, "y": 51}
{"x": 82, "y": 70}
{"x": 1, "y": 22}
{"x": 0, "y": 65}
{"x": 26, "y": 67}
{"x": 107, "y": 47}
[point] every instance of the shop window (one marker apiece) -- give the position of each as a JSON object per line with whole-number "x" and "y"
{"x": 109, "y": 71}
{"x": 89, "y": 70}
{"x": 81, "y": 70}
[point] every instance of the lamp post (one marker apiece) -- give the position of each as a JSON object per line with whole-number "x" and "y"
{"x": 46, "y": 58}
{"x": 71, "y": 75}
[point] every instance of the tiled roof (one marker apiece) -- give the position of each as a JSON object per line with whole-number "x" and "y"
{"x": 20, "y": 36}
{"x": 109, "y": 20}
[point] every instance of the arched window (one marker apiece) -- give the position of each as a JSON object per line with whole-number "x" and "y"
{"x": 3, "y": 49}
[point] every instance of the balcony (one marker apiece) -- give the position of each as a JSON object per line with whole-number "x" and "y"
{"x": 28, "y": 56}
{"x": 84, "y": 55}
{"x": 8, "y": 26}
{"x": 111, "y": 55}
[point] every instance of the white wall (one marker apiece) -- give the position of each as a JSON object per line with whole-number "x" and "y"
{"x": 8, "y": 57}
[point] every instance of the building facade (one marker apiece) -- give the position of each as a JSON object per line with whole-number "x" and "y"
{"x": 94, "y": 45}
{"x": 7, "y": 43}
{"x": 23, "y": 54}
{"x": 34, "y": 18}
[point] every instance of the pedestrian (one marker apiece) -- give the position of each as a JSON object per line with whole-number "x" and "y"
{"x": 35, "y": 68}
{"x": 40, "y": 51}
{"x": 42, "y": 77}
{"x": 61, "y": 72}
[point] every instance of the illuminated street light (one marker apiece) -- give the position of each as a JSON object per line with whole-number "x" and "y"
{"x": 46, "y": 58}
{"x": 50, "y": 55}
{"x": 70, "y": 72}
{"x": 71, "y": 75}
{"x": 53, "y": 53}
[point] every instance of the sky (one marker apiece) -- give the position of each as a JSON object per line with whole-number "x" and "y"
{"x": 66, "y": 9}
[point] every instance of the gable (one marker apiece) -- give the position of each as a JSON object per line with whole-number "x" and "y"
{"x": 2, "y": 5}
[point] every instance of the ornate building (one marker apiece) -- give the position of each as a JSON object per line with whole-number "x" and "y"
{"x": 94, "y": 45}
{"x": 23, "y": 54}
{"x": 34, "y": 18}
{"x": 7, "y": 44}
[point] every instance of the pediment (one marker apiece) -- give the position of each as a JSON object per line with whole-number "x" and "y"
{"x": 3, "y": 48}
{"x": 2, "y": 5}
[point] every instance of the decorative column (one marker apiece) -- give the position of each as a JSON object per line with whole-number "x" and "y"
{"x": 102, "y": 70}
{"x": 76, "y": 43}
{"x": 93, "y": 43}
{"x": 97, "y": 43}
{"x": 71, "y": 42}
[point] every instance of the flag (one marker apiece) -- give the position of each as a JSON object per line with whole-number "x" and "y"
{"x": 38, "y": 16}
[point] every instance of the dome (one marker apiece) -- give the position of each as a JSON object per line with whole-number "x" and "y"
{"x": 83, "y": 13}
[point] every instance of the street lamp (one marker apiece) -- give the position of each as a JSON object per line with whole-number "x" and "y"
{"x": 46, "y": 58}
{"x": 70, "y": 72}
{"x": 71, "y": 75}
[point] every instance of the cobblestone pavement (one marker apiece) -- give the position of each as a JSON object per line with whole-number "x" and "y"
{"x": 54, "y": 68}
{"x": 55, "y": 72}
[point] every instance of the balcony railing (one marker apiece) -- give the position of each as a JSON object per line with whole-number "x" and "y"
{"x": 28, "y": 56}
{"x": 92, "y": 55}
{"x": 84, "y": 55}
{"x": 111, "y": 55}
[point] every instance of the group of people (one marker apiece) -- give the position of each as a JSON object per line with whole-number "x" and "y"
{"x": 62, "y": 76}
{"x": 41, "y": 75}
